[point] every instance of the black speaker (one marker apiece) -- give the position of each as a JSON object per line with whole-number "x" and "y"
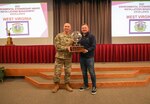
{"x": 2, "y": 73}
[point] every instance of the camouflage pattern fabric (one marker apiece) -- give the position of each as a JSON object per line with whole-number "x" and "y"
{"x": 59, "y": 63}
{"x": 62, "y": 41}
{"x": 63, "y": 57}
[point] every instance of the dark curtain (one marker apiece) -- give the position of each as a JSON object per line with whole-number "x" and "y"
{"x": 95, "y": 13}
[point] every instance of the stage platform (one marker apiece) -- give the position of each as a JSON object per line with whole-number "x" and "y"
{"x": 31, "y": 69}
{"x": 110, "y": 74}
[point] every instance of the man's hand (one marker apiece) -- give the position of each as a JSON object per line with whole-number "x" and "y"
{"x": 68, "y": 48}
{"x": 85, "y": 51}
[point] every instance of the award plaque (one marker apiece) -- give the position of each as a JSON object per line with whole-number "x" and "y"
{"x": 76, "y": 35}
{"x": 9, "y": 39}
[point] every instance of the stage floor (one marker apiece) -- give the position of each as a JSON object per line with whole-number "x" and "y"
{"x": 77, "y": 65}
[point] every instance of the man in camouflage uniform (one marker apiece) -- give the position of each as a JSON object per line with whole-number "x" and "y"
{"x": 63, "y": 57}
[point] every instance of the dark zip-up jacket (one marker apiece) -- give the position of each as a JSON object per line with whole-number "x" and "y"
{"x": 89, "y": 43}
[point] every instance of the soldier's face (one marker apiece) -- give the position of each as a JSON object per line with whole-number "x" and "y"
{"x": 85, "y": 29}
{"x": 67, "y": 27}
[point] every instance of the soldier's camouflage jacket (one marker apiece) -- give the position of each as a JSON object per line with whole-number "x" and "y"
{"x": 62, "y": 41}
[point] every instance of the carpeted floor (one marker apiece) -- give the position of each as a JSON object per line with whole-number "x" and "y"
{"x": 18, "y": 91}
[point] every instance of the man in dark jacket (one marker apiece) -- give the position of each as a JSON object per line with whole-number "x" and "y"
{"x": 87, "y": 58}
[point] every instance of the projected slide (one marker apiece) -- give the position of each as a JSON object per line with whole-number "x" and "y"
{"x": 24, "y": 20}
{"x": 130, "y": 18}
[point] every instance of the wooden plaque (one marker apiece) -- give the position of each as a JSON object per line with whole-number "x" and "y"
{"x": 76, "y": 48}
